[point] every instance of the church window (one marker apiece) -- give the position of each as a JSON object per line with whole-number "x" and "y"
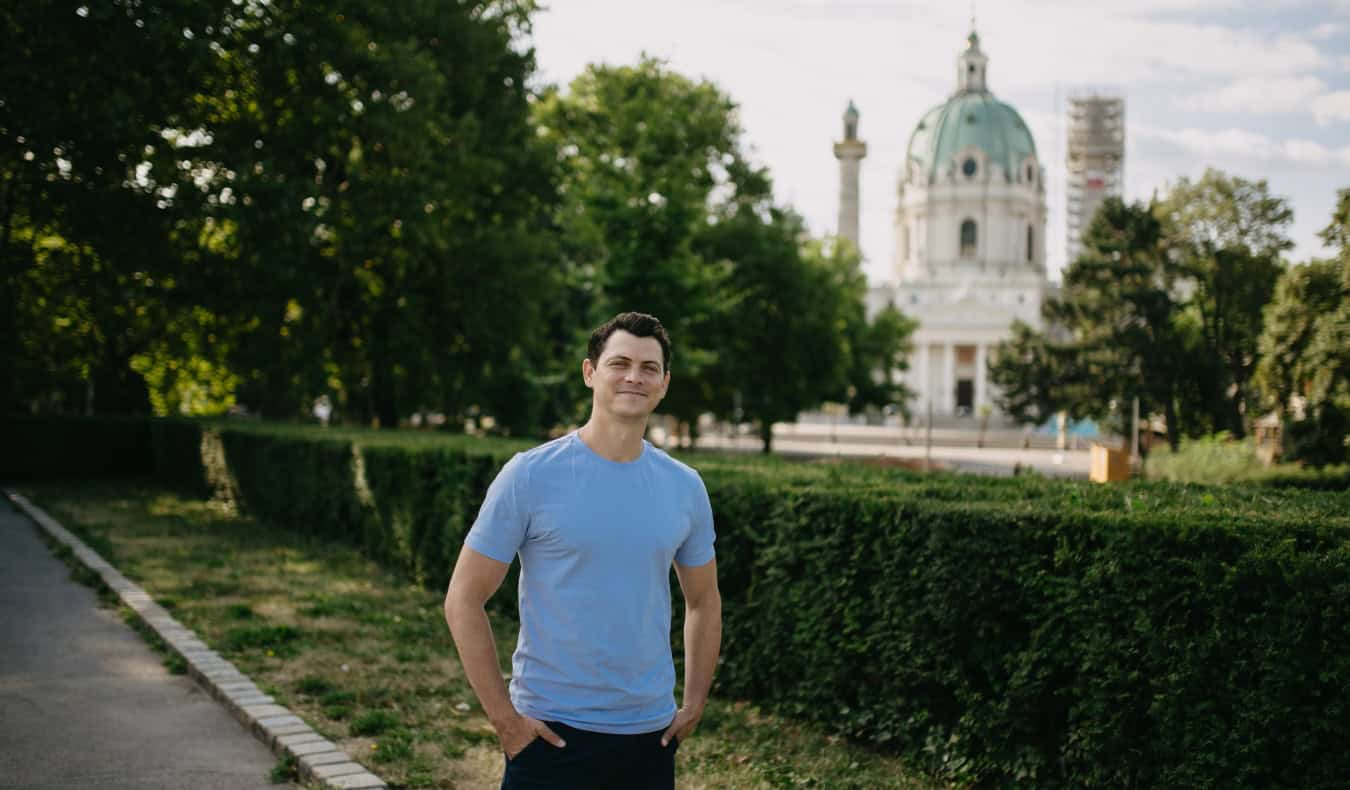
{"x": 1031, "y": 243}
{"x": 969, "y": 167}
{"x": 913, "y": 298}
{"x": 1031, "y": 173}
{"x": 968, "y": 239}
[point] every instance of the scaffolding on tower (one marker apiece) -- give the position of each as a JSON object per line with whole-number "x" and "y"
{"x": 1095, "y": 161}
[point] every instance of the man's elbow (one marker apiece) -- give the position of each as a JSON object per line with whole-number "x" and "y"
{"x": 459, "y": 601}
{"x": 708, "y": 603}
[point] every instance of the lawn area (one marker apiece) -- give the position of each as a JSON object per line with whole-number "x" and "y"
{"x": 364, "y": 655}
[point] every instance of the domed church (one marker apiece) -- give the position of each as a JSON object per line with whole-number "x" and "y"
{"x": 969, "y": 253}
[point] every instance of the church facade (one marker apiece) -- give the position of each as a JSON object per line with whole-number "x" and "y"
{"x": 969, "y": 237}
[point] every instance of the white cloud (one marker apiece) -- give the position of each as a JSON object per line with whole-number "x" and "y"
{"x": 1241, "y": 144}
{"x": 1331, "y": 107}
{"x": 1260, "y": 95}
{"x": 1326, "y": 30}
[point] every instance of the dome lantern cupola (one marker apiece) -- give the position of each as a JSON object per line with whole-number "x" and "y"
{"x": 972, "y": 118}
{"x": 970, "y": 73}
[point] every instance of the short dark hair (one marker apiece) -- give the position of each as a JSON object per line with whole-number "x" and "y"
{"x": 636, "y": 324}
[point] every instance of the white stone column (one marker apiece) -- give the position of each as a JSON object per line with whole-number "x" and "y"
{"x": 923, "y": 378}
{"x": 948, "y": 378}
{"x": 850, "y": 152}
{"x": 981, "y": 392}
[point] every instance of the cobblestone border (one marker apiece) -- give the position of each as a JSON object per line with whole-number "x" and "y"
{"x": 317, "y": 758}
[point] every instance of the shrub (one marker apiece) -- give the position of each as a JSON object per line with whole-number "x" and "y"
{"x": 72, "y": 447}
{"x": 1220, "y": 459}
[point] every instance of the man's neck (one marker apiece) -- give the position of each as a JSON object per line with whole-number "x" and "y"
{"x": 616, "y": 441}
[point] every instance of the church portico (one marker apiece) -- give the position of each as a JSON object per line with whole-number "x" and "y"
{"x": 949, "y": 370}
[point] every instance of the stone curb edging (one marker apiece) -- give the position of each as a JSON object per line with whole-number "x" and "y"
{"x": 317, "y": 758}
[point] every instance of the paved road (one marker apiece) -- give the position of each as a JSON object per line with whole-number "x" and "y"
{"x": 995, "y": 461}
{"x": 84, "y": 703}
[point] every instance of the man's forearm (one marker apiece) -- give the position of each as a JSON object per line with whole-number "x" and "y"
{"x": 702, "y": 644}
{"x": 472, "y": 632}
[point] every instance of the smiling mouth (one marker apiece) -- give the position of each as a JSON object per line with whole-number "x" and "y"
{"x": 630, "y": 392}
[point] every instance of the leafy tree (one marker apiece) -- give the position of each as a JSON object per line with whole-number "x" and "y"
{"x": 1033, "y": 376}
{"x": 783, "y": 346}
{"x": 878, "y": 350}
{"x": 647, "y": 155}
{"x": 1228, "y": 233}
{"x": 385, "y": 195}
{"x": 1113, "y": 334}
{"x": 1305, "y": 349}
{"x": 87, "y": 269}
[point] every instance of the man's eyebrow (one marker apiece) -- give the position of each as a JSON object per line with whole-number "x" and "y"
{"x": 626, "y": 358}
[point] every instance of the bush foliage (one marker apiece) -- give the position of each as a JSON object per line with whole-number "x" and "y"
{"x": 1003, "y": 632}
{"x": 1222, "y": 459}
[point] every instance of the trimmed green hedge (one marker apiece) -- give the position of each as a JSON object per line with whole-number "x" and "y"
{"x": 1003, "y": 632}
{"x": 1047, "y": 647}
{"x": 35, "y": 448}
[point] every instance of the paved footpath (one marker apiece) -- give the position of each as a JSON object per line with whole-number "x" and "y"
{"x": 84, "y": 703}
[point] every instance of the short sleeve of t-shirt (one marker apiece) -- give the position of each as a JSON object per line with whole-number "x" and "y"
{"x": 697, "y": 549}
{"x": 499, "y": 530}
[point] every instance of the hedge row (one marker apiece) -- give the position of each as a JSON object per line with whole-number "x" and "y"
{"x": 35, "y": 448}
{"x": 1046, "y": 647}
{"x": 1002, "y": 632}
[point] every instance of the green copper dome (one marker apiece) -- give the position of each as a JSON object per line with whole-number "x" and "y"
{"x": 971, "y": 118}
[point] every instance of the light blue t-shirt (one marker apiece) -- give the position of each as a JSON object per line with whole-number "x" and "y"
{"x": 596, "y": 539}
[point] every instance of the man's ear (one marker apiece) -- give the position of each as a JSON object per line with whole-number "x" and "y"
{"x": 587, "y": 371}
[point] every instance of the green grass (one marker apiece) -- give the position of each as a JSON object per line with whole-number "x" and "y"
{"x": 363, "y": 654}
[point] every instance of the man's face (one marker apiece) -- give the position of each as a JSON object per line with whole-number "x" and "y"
{"x": 630, "y": 378}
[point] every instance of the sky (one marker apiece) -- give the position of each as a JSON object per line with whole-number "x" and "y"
{"x": 1257, "y": 89}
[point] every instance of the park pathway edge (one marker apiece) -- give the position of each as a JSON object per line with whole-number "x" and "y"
{"x": 317, "y": 758}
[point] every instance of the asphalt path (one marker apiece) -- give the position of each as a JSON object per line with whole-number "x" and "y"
{"x": 85, "y": 703}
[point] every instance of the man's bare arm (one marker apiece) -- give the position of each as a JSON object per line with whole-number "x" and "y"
{"x": 702, "y": 644}
{"x": 474, "y": 581}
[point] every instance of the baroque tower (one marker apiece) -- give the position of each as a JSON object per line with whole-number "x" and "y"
{"x": 850, "y": 152}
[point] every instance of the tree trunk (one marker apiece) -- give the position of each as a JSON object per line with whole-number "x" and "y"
{"x": 1173, "y": 428}
{"x": 766, "y": 436}
{"x": 383, "y": 399}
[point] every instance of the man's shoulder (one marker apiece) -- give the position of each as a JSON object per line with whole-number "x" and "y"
{"x": 543, "y": 454}
{"x": 539, "y": 460}
{"x": 674, "y": 467}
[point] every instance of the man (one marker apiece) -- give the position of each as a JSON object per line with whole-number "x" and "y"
{"x": 597, "y": 518}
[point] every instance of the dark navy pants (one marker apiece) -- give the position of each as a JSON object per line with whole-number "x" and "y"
{"x": 593, "y": 761}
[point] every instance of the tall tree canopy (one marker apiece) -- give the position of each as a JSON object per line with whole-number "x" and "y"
{"x": 646, "y": 154}
{"x": 1229, "y": 234}
{"x": 1164, "y": 304}
{"x": 664, "y": 213}
{"x": 87, "y": 267}
{"x": 324, "y": 198}
{"x": 275, "y": 201}
{"x": 1305, "y": 348}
